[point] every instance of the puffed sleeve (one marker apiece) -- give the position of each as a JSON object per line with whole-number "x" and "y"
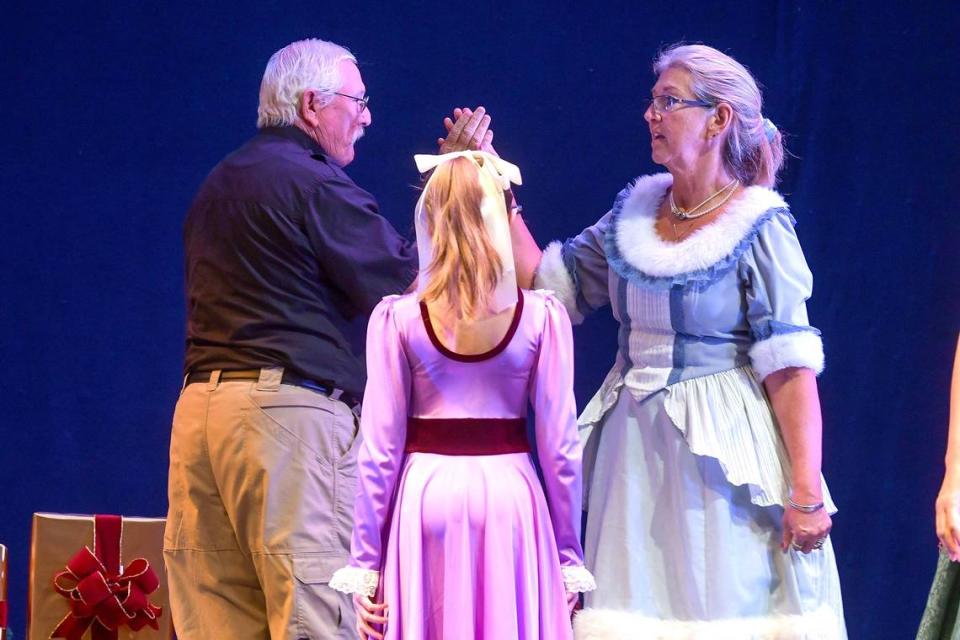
{"x": 577, "y": 270}
{"x": 778, "y": 284}
{"x": 383, "y": 424}
{"x": 558, "y": 447}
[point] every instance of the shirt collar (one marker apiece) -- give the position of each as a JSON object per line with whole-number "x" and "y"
{"x": 298, "y": 136}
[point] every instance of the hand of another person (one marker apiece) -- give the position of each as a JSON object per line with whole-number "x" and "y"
{"x": 470, "y": 130}
{"x": 948, "y": 515}
{"x": 804, "y": 531}
{"x": 367, "y": 616}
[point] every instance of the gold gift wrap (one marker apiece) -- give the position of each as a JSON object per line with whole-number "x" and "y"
{"x": 57, "y": 538}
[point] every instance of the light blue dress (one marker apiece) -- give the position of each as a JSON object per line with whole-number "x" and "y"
{"x": 685, "y": 467}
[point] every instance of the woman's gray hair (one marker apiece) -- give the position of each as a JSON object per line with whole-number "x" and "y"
{"x": 753, "y": 147}
{"x": 302, "y": 65}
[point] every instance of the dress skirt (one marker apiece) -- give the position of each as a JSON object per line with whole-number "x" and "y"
{"x": 472, "y": 552}
{"x": 679, "y": 551}
{"x": 943, "y": 604}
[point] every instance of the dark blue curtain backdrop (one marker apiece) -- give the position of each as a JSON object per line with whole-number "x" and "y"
{"x": 114, "y": 113}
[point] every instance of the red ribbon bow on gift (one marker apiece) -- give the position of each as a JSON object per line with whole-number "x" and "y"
{"x": 102, "y": 596}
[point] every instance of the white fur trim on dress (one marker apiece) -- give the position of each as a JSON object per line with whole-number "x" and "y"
{"x": 578, "y": 579}
{"x": 610, "y": 624}
{"x": 355, "y": 580}
{"x": 639, "y": 244}
{"x": 552, "y": 274}
{"x": 796, "y": 349}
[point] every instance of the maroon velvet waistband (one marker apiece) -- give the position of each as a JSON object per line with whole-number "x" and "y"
{"x": 467, "y": 436}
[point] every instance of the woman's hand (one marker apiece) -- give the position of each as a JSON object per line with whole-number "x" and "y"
{"x": 948, "y": 502}
{"x": 948, "y": 515}
{"x": 467, "y": 130}
{"x": 369, "y": 613}
{"x": 804, "y": 531}
{"x": 572, "y": 600}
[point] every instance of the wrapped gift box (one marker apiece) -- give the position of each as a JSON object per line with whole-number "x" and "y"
{"x": 4, "y": 610}
{"x": 60, "y": 539}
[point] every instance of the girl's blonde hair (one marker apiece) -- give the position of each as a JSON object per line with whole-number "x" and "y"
{"x": 465, "y": 267}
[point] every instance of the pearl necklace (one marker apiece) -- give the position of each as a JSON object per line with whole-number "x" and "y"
{"x": 690, "y": 214}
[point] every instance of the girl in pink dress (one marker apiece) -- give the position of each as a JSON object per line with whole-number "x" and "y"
{"x": 455, "y": 537}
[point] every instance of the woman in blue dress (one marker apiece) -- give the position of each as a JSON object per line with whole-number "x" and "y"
{"x": 707, "y": 516}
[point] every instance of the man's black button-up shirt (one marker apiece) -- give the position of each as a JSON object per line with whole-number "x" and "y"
{"x": 283, "y": 254}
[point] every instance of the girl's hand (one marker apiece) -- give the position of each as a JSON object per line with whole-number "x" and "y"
{"x": 369, "y": 613}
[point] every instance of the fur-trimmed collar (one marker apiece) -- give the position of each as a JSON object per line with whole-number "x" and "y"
{"x": 638, "y": 243}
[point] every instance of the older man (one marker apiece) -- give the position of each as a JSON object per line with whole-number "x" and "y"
{"x": 284, "y": 252}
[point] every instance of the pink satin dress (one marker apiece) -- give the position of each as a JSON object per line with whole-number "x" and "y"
{"x": 470, "y": 545}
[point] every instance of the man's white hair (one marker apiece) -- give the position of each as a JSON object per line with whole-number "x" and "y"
{"x": 301, "y": 65}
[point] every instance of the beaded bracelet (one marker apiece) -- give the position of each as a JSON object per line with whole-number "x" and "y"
{"x": 804, "y": 508}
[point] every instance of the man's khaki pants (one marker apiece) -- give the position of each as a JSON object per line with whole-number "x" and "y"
{"x": 261, "y": 488}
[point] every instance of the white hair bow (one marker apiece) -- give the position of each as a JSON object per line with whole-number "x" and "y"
{"x": 496, "y": 175}
{"x": 499, "y": 169}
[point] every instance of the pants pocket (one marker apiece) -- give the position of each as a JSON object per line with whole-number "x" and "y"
{"x": 321, "y": 612}
{"x": 291, "y": 480}
{"x": 350, "y": 439}
{"x": 303, "y": 419}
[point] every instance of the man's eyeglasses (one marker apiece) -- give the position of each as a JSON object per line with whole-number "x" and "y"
{"x": 667, "y": 104}
{"x": 361, "y": 102}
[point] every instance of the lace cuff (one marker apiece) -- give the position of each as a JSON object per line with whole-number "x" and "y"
{"x": 354, "y": 580}
{"x": 577, "y": 579}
